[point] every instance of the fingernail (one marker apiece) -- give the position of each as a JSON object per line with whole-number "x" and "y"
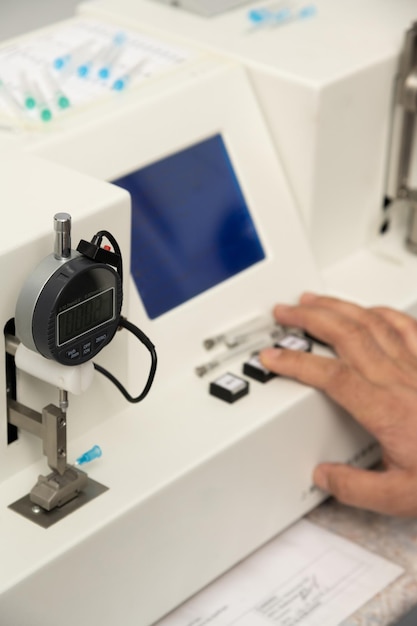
{"x": 320, "y": 478}
{"x": 269, "y": 355}
{"x": 308, "y": 296}
{"x": 281, "y": 307}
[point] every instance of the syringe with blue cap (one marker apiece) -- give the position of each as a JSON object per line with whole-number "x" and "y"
{"x": 45, "y": 111}
{"x": 259, "y": 16}
{"x": 309, "y": 10}
{"x": 121, "y": 82}
{"x": 65, "y": 62}
{"x": 59, "y": 97}
{"x": 59, "y": 63}
{"x": 283, "y": 15}
{"x": 104, "y": 56}
{"x": 29, "y": 99}
{"x": 110, "y": 55}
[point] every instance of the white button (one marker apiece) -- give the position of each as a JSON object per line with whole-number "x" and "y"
{"x": 230, "y": 382}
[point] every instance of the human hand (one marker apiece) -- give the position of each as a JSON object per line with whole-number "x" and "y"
{"x": 373, "y": 377}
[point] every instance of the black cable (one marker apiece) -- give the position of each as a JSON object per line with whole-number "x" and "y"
{"x": 97, "y": 239}
{"x": 123, "y": 322}
{"x": 149, "y": 345}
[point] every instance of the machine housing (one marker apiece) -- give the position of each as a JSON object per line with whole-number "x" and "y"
{"x": 194, "y": 483}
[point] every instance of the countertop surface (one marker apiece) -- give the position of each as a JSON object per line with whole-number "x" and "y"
{"x": 390, "y": 537}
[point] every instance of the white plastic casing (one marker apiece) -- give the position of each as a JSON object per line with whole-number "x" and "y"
{"x": 75, "y": 379}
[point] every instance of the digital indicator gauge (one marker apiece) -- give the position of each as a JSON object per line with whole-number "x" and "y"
{"x": 69, "y": 307}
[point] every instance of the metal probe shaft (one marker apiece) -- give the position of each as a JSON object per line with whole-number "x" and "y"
{"x": 62, "y": 227}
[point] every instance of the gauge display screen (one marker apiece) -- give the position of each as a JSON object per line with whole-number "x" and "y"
{"x": 85, "y": 316}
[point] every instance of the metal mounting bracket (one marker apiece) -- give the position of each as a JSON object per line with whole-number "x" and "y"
{"x": 407, "y": 98}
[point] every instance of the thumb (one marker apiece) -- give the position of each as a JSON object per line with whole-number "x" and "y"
{"x": 383, "y": 492}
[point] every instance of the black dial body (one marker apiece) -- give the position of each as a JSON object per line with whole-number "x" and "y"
{"x": 77, "y": 311}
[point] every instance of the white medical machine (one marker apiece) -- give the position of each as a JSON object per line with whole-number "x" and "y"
{"x": 324, "y": 75}
{"x": 216, "y": 228}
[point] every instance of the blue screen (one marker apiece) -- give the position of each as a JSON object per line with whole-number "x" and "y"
{"x": 191, "y": 227}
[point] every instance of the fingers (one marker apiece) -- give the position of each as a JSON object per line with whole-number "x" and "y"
{"x": 405, "y": 325}
{"x": 395, "y": 332}
{"x": 384, "y": 333}
{"x": 332, "y": 376}
{"x": 316, "y": 371}
{"x": 391, "y": 492}
{"x": 361, "y": 337}
{"x": 381, "y": 409}
{"x": 374, "y": 378}
{"x": 332, "y": 326}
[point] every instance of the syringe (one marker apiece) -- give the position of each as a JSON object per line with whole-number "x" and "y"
{"x": 227, "y": 355}
{"x": 242, "y": 332}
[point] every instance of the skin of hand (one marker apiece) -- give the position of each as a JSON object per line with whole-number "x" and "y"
{"x": 373, "y": 377}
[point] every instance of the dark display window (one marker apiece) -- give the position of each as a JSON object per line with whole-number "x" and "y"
{"x": 191, "y": 227}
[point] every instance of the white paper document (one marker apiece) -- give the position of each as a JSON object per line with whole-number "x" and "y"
{"x": 307, "y": 576}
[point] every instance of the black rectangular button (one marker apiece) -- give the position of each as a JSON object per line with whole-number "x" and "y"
{"x": 229, "y": 387}
{"x": 256, "y": 370}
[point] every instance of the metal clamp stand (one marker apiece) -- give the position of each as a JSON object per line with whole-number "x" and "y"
{"x": 407, "y": 98}
{"x": 66, "y": 488}
{"x": 65, "y": 482}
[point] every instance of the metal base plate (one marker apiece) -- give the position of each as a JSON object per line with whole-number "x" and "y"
{"x": 24, "y": 506}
